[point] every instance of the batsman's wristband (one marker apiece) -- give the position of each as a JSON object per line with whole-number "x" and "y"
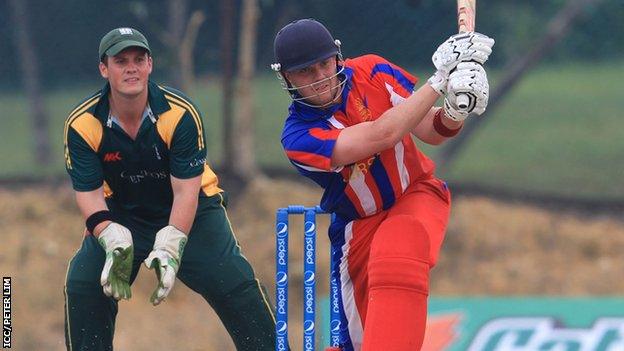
{"x": 440, "y": 128}
{"x": 97, "y": 218}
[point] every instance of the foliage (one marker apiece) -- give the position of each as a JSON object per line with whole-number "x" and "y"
{"x": 556, "y": 133}
{"x": 404, "y": 31}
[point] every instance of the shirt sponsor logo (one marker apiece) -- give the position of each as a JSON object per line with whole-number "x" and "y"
{"x": 197, "y": 162}
{"x": 362, "y": 108}
{"x": 142, "y": 174}
{"x": 359, "y": 169}
{"x": 112, "y": 156}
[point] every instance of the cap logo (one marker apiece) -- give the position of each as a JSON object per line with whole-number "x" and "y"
{"x": 125, "y": 31}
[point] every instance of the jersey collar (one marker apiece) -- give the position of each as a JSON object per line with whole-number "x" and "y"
{"x": 155, "y": 100}
{"x": 147, "y": 113}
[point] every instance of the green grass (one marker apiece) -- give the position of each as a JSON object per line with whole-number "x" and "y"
{"x": 17, "y": 156}
{"x": 270, "y": 104}
{"x": 559, "y": 132}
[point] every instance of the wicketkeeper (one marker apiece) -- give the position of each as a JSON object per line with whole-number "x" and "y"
{"x": 349, "y": 129}
{"x": 136, "y": 155}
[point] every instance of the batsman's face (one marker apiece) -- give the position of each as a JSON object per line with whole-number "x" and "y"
{"x": 317, "y": 83}
{"x": 128, "y": 72}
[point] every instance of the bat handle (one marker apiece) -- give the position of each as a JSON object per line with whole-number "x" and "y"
{"x": 463, "y": 101}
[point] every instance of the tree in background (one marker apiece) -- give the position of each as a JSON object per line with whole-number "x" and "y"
{"x": 558, "y": 27}
{"x": 31, "y": 80}
{"x": 226, "y": 47}
{"x": 515, "y": 22}
{"x": 239, "y": 149}
{"x": 183, "y": 42}
{"x": 245, "y": 165}
{"x": 179, "y": 38}
{"x": 172, "y": 38}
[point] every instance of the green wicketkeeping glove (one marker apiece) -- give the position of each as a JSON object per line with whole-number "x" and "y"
{"x": 117, "y": 243}
{"x": 165, "y": 258}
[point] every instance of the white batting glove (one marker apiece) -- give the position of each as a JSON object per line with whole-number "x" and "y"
{"x": 470, "y": 79}
{"x": 438, "y": 81}
{"x": 463, "y": 47}
{"x": 458, "y": 48}
{"x": 115, "y": 278}
{"x": 165, "y": 258}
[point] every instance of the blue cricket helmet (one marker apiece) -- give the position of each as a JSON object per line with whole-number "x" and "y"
{"x": 302, "y": 43}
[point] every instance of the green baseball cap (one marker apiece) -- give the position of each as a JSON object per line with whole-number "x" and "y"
{"x": 121, "y": 38}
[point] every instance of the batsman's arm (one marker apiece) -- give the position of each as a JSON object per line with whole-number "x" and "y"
{"x": 368, "y": 138}
{"x": 427, "y": 133}
{"x": 90, "y": 202}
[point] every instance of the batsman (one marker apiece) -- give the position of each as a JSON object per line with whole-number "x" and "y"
{"x": 136, "y": 155}
{"x": 349, "y": 129}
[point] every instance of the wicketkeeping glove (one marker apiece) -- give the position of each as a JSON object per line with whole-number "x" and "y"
{"x": 165, "y": 258}
{"x": 117, "y": 243}
{"x": 470, "y": 79}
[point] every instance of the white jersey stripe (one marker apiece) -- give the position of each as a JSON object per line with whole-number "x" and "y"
{"x": 356, "y": 330}
{"x": 395, "y": 98}
{"x": 314, "y": 169}
{"x": 334, "y": 122}
{"x": 399, "y": 153}
{"x": 359, "y": 186}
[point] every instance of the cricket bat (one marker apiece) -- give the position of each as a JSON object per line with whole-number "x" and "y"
{"x": 466, "y": 14}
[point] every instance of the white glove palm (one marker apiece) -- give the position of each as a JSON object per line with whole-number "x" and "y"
{"x": 458, "y": 48}
{"x": 469, "y": 79}
{"x": 115, "y": 278}
{"x": 165, "y": 258}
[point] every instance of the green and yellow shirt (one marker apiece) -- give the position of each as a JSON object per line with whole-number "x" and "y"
{"x": 136, "y": 173}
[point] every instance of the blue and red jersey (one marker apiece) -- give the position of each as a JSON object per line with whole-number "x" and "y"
{"x": 371, "y": 185}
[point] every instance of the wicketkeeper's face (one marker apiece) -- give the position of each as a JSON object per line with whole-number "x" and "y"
{"x": 318, "y": 83}
{"x": 128, "y": 72}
